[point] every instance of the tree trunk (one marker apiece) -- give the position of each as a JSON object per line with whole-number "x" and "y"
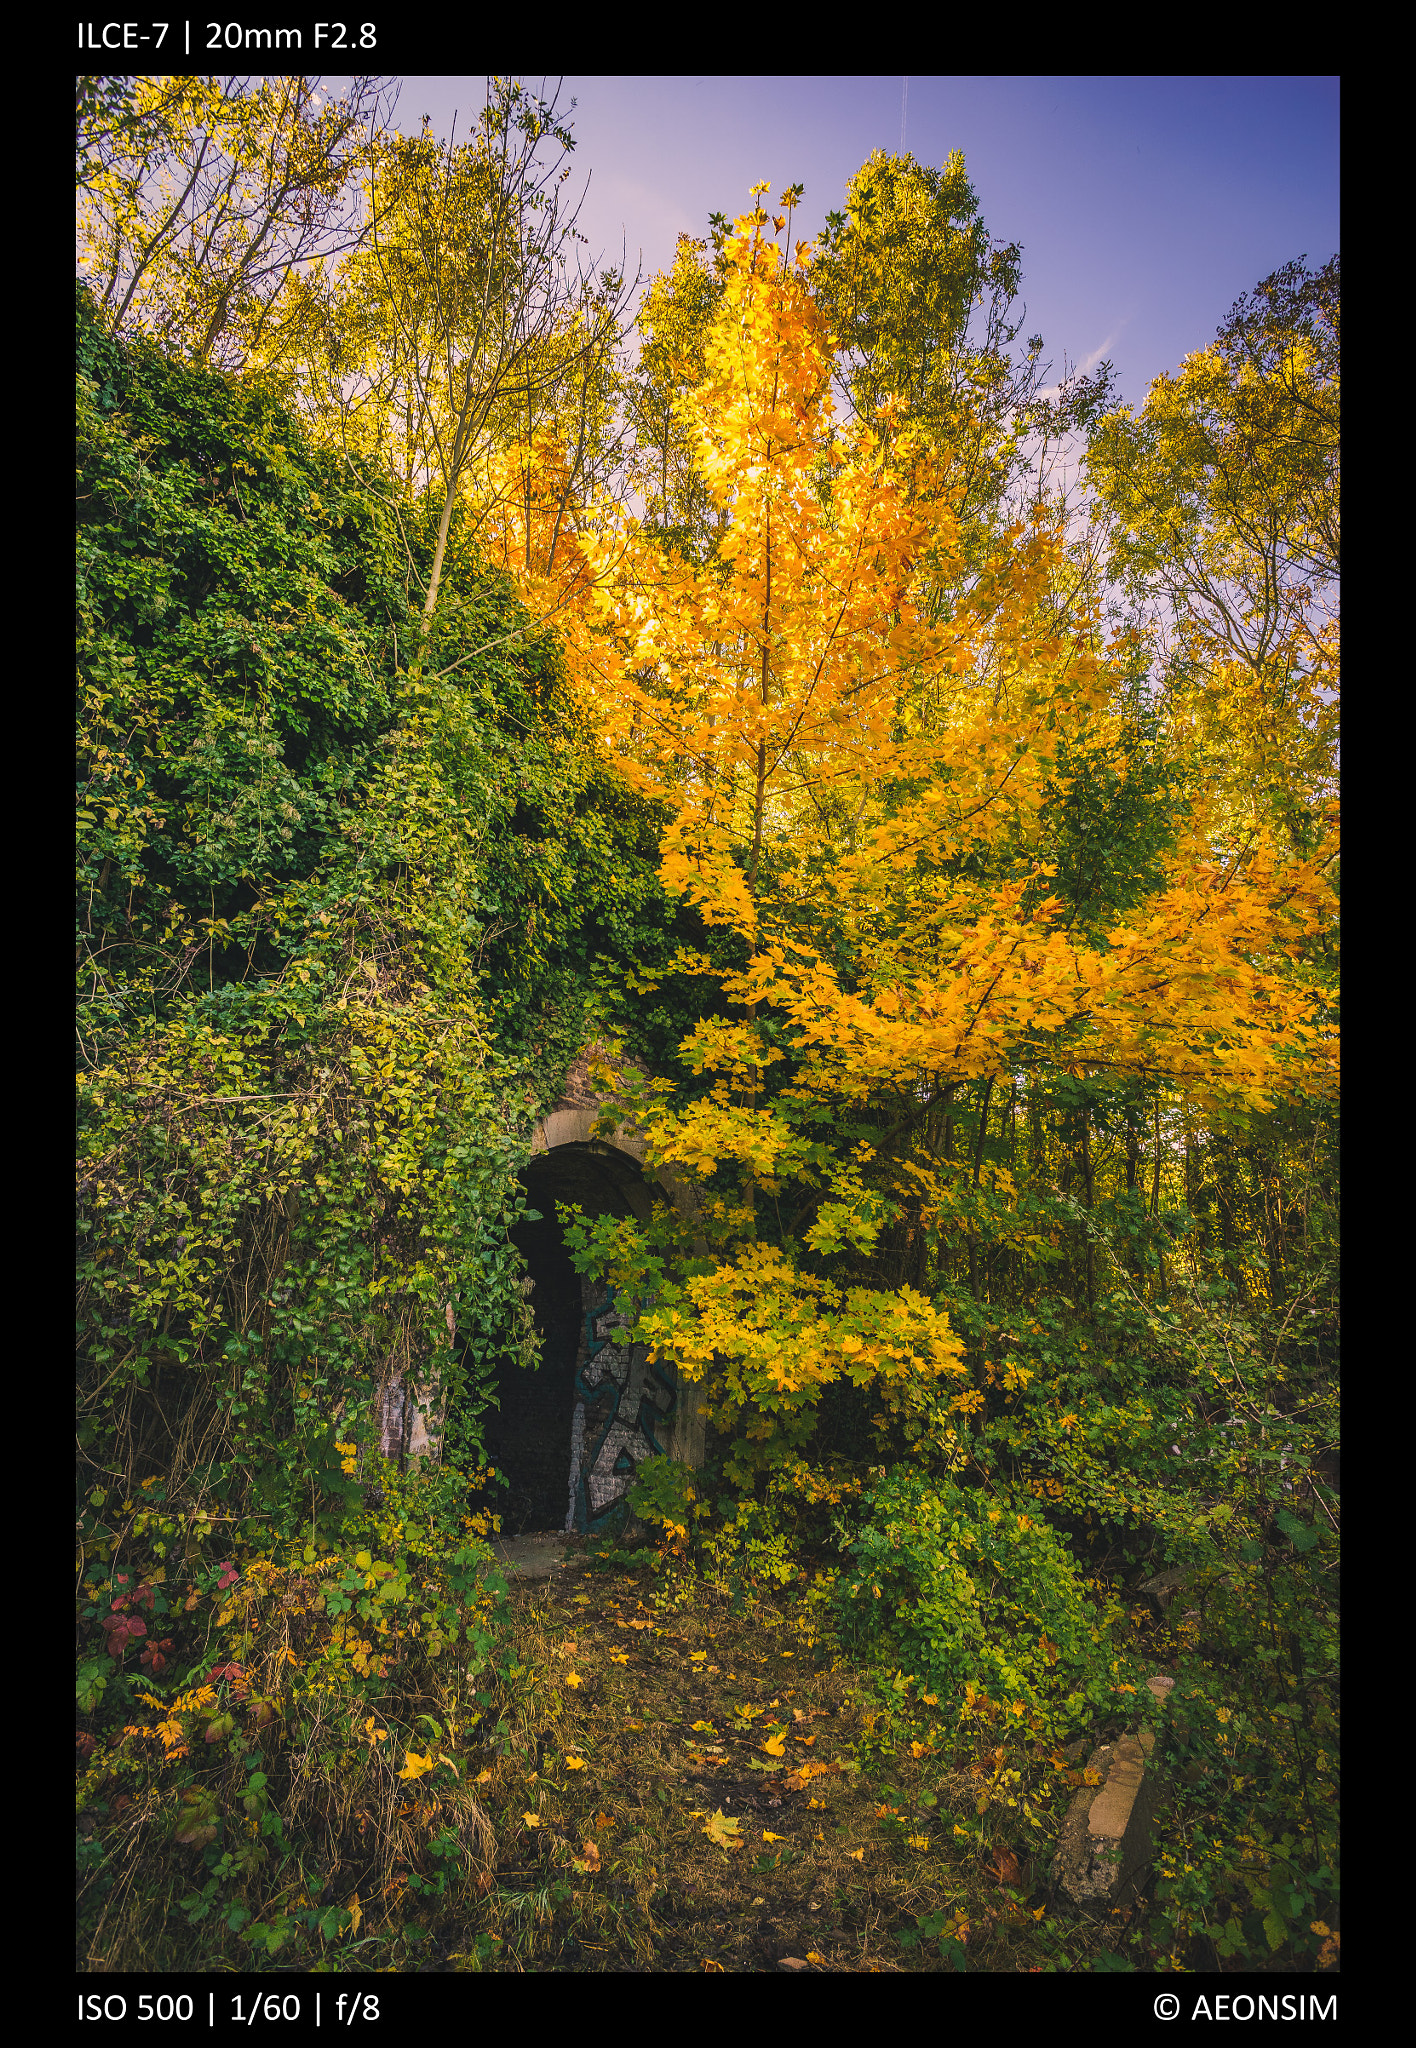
{"x": 1088, "y": 1191}
{"x": 977, "y": 1165}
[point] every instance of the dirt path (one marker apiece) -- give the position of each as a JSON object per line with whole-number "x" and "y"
{"x": 690, "y": 1789}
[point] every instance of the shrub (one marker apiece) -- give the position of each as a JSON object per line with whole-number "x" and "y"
{"x": 974, "y": 1590}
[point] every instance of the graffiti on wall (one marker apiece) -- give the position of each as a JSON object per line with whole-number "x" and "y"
{"x": 620, "y": 1401}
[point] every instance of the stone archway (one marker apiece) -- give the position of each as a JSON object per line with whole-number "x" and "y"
{"x": 570, "y": 1435}
{"x": 604, "y": 1407}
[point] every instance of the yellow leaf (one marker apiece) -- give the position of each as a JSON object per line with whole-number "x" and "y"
{"x": 813, "y": 1957}
{"x": 709, "y": 1964}
{"x": 857, "y": 1855}
{"x": 356, "y": 1914}
{"x": 532, "y": 1820}
{"x": 697, "y": 1656}
{"x": 775, "y": 1745}
{"x": 573, "y": 1678}
{"x": 768, "y": 1836}
{"x": 416, "y": 1765}
{"x": 575, "y": 1763}
{"x": 482, "y": 1778}
{"x": 618, "y": 1657}
{"x": 919, "y": 1841}
{"x": 726, "y": 1833}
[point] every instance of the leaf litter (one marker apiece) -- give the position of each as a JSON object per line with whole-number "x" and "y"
{"x": 684, "y": 1837}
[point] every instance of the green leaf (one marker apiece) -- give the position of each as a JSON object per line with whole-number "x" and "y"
{"x": 1302, "y": 1535}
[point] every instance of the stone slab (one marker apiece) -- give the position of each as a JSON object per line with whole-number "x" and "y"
{"x": 535, "y": 1556}
{"x": 1106, "y": 1836}
{"x": 1160, "y": 1590}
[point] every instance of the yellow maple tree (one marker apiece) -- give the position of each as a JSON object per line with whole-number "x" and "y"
{"x": 856, "y": 789}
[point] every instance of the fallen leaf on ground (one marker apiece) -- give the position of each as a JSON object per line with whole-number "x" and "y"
{"x": 603, "y": 1821}
{"x": 726, "y": 1833}
{"x": 704, "y": 1728}
{"x": 532, "y": 1820}
{"x": 768, "y": 1836}
{"x": 590, "y": 1860}
{"x": 919, "y": 1841}
{"x": 856, "y": 1855}
{"x": 812, "y": 1956}
{"x": 573, "y": 1678}
{"x": 1005, "y": 1867}
{"x": 709, "y": 1964}
{"x": 482, "y": 1778}
{"x": 775, "y": 1745}
{"x": 575, "y": 1763}
{"x": 796, "y": 1780}
{"x": 618, "y": 1657}
{"x": 698, "y": 1656}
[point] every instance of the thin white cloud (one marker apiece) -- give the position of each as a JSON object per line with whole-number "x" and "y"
{"x": 1087, "y": 363}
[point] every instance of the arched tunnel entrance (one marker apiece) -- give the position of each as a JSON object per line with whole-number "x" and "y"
{"x": 569, "y": 1435}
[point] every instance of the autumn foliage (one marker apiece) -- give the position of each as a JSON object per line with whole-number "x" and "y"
{"x": 946, "y": 876}
{"x": 860, "y": 791}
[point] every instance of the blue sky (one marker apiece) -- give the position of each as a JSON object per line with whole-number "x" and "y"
{"x": 1144, "y": 205}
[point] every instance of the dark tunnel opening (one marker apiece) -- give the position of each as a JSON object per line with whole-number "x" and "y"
{"x": 529, "y": 1435}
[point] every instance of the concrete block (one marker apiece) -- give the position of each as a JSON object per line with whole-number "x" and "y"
{"x": 1106, "y": 1838}
{"x": 1161, "y": 1590}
